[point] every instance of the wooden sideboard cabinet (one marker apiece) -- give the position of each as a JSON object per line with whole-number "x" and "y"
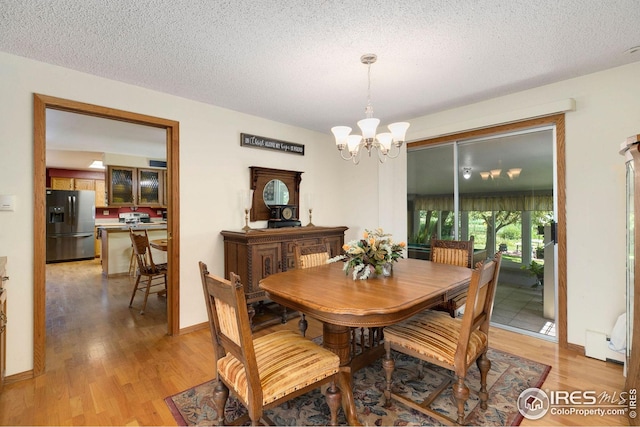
{"x": 257, "y": 253}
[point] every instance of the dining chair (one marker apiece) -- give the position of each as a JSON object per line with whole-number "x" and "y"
{"x": 155, "y": 274}
{"x": 133, "y": 265}
{"x": 307, "y": 256}
{"x": 454, "y": 252}
{"x": 263, "y": 372}
{"x": 452, "y": 343}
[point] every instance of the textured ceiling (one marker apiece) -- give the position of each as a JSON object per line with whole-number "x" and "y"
{"x": 298, "y": 61}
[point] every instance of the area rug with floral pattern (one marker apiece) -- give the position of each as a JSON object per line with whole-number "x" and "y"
{"x": 509, "y": 376}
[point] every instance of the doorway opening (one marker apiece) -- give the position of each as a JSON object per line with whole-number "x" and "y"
{"x": 41, "y": 104}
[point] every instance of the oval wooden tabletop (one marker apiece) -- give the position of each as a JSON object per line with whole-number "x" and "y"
{"x": 327, "y": 293}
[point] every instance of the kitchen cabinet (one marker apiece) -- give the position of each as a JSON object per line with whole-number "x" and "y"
{"x": 151, "y": 187}
{"x": 127, "y": 186}
{"x": 62, "y": 183}
{"x": 84, "y": 184}
{"x": 97, "y": 185}
{"x": 121, "y": 185}
{"x": 101, "y": 200}
{"x": 255, "y": 254}
{"x": 3, "y": 320}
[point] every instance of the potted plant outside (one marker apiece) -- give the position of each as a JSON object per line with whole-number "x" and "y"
{"x": 535, "y": 269}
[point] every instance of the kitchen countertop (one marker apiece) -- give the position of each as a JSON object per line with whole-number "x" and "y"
{"x": 115, "y": 245}
{"x": 125, "y": 227}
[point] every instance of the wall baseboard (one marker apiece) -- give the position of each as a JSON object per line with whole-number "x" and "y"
{"x": 26, "y": 375}
{"x": 193, "y": 328}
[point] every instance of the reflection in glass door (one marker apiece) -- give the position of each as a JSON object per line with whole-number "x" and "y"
{"x": 500, "y": 190}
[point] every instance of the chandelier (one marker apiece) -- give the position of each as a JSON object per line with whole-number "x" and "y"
{"x": 351, "y": 146}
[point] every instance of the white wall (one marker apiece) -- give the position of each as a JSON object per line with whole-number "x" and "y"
{"x": 214, "y": 168}
{"x": 607, "y": 112}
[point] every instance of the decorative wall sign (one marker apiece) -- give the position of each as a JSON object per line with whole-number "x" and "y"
{"x": 247, "y": 140}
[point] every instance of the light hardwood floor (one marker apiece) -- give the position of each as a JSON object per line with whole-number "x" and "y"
{"x": 109, "y": 365}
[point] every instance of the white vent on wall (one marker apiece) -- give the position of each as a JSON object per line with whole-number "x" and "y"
{"x": 597, "y": 346}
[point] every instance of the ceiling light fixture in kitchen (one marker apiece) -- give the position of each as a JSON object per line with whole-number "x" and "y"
{"x": 96, "y": 164}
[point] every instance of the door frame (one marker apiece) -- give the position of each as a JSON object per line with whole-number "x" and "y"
{"x": 40, "y": 104}
{"x": 556, "y": 120}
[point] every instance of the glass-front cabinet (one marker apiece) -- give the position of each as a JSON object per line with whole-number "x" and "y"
{"x": 129, "y": 186}
{"x": 630, "y": 149}
{"x": 122, "y": 182}
{"x": 150, "y": 187}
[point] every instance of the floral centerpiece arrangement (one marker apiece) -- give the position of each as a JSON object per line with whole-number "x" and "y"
{"x": 373, "y": 253}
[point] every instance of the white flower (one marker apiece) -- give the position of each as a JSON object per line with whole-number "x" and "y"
{"x": 357, "y": 269}
{"x": 336, "y": 259}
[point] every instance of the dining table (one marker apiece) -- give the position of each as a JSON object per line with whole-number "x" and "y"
{"x": 160, "y": 244}
{"x": 331, "y": 295}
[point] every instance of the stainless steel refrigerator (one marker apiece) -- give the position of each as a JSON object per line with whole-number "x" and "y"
{"x": 71, "y": 218}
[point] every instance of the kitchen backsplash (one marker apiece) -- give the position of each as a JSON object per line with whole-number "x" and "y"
{"x": 104, "y": 213}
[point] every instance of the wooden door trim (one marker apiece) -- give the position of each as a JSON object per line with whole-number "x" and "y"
{"x": 558, "y": 121}
{"x": 40, "y": 104}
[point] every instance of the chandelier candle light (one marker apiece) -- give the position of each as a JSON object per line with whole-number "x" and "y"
{"x": 382, "y": 142}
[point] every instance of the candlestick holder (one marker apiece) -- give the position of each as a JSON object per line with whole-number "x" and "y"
{"x": 246, "y": 220}
{"x": 310, "y": 218}
{"x": 246, "y": 200}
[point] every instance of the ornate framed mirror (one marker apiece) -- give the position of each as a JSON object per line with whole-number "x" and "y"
{"x": 273, "y": 187}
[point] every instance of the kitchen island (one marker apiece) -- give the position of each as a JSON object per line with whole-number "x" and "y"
{"x": 116, "y": 245}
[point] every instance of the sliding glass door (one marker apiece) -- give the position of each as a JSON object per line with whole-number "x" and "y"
{"x": 500, "y": 191}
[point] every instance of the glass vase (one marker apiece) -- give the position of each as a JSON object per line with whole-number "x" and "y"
{"x": 387, "y": 268}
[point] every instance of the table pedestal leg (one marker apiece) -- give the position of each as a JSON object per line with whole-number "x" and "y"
{"x": 337, "y": 339}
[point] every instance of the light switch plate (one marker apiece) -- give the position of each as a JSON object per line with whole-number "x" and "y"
{"x": 105, "y": 213}
{"x": 7, "y": 202}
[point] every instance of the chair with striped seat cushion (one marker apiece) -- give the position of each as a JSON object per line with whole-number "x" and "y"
{"x": 267, "y": 371}
{"x": 453, "y": 252}
{"x": 307, "y": 256}
{"x": 452, "y": 343}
